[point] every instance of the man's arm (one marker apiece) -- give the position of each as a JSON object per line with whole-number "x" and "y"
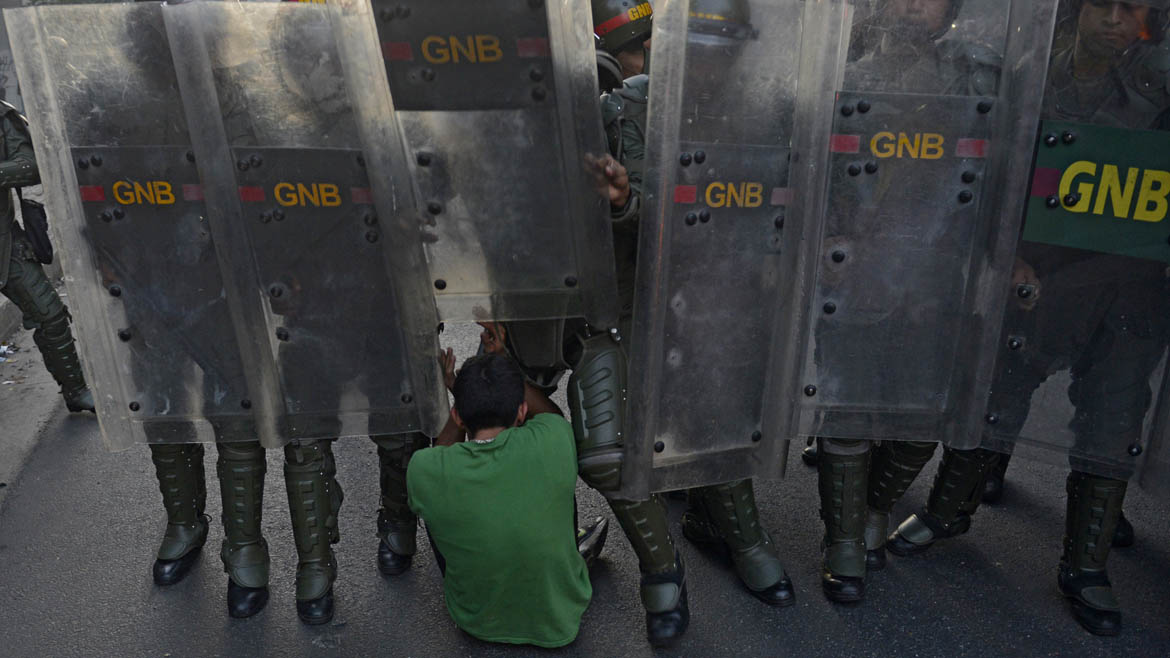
{"x": 451, "y": 434}
{"x": 539, "y": 403}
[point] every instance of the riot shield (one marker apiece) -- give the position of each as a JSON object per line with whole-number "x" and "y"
{"x": 711, "y": 276}
{"x": 925, "y": 171}
{"x": 285, "y": 163}
{"x": 141, "y": 265}
{"x": 1080, "y": 373}
{"x": 497, "y": 104}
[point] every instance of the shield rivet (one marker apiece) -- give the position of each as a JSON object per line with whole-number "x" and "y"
{"x": 369, "y": 219}
{"x": 965, "y": 196}
{"x": 1014, "y": 343}
{"x": 968, "y": 177}
{"x": 854, "y": 169}
{"x": 778, "y": 222}
{"x": 281, "y": 333}
{"x": 691, "y": 218}
{"x": 1024, "y": 291}
{"x": 440, "y": 284}
{"x": 659, "y": 446}
{"x": 1071, "y": 199}
{"x": 266, "y": 217}
{"x": 423, "y": 159}
{"x": 407, "y": 398}
{"x": 571, "y": 281}
{"x": 95, "y": 160}
{"x": 242, "y": 164}
{"x": 863, "y": 106}
{"x": 1052, "y": 201}
{"x": 428, "y": 74}
{"x": 536, "y": 74}
{"x": 134, "y": 406}
{"x": 434, "y": 207}
{"x": 255, "y": 160}
{"x": 684, "y": 159}
{"x": 846, "y": 110}
{"x": 107, "y": 216}
{"x": 119, "y": 213}
{"x": 838, "y": 256}
{"x": 1050, "y": 140}
{"x": 756, "y": 436}
{"x": 82, "y": 163}
{"x": 403, "y": 11}
{"x": 991, "y": 419}
{"x": 276, "y": 291}
{"x": 829, "y": 308}
{"x": 115, "y": 291}
{"x": 1135, "y": 450}
{"x": 538, "y": 93}
{"x": 810, "y": 390}
{"x": 371, "y": 236}
{"x": 983, "y": 107}
{"x": 246, "y": 404}
{"x": 700, "y": 157}
{"x": 704, "y": 215}
{"x": 1068, "y": 137}
{"x": 125, "y": 335}
{"x": 871, "y": 167}
{"x": 190, "y": 156}
{"x": 278, "y": 215}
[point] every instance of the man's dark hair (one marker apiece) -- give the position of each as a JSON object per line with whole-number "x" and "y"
{"x": 488, "y": 392}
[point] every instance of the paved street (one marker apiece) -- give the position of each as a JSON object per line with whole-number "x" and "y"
{"x": 79, "y": 527}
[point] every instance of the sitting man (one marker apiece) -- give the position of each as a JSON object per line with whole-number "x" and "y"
{"x": 499, "y": 508}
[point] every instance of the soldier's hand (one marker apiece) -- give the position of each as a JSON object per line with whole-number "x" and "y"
{"x": 611, "y": 179}
{"x": 447, "y": 363}
{"x": 493, "y": 337}
{"x": 1025, "y": 285}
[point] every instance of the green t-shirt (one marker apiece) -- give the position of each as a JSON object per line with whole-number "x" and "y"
{"x": 501, "y": 513}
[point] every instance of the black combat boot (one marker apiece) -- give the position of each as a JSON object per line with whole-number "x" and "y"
{"x": 397, "y": 525}
{"x": 591, "y": 540}
{"x": 179, "y": 467}
{"x": 241, "y": 468}
{"x": 954, "y": 497}
{"x": 1094, "y": 506}
{"x": 724, "y": 517}
{"x": 993, "y": 483}
{"x": 842, "y": 480}
{"x": 314, "y": 501}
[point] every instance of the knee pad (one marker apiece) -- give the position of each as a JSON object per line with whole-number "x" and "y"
{"x": 596, "y": 395}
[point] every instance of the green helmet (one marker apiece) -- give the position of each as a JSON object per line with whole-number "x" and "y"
{"x": 722, "y": 22}
{"x": 619, "y": 24}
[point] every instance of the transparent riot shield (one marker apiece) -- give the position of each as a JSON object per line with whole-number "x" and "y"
{"x": 278, "y": 139}
{"x": 712, "y": 276}
{"x": 1081, "y": 377}
{"x": 926, "y": 175}
{"x": 141, "y": 266}
{"x": 497, "y": 104}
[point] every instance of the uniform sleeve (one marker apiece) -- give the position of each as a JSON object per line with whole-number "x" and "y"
{"x": 19, "y": 167}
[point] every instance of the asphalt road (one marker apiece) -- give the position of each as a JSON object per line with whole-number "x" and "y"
{"x": 79, "y": 527}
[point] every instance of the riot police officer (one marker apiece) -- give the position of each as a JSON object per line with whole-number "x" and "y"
{"x": 1101, "y": 316}
{"x": 21, "y": 277}
{"x": 859, "y": 480}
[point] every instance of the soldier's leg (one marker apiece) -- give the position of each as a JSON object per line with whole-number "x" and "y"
{"x": 46, "y": 315}
{"x": 596, "y": 391}
{"x": 314, "y": 501}
{"x": 397, "y": 525}
{"x": 842, "y": 476}
{"x": 1094, "y": 507}
{"x": 241, "y": 467}
{"x": 893, "y": 466}
{"x": 954, "y": 497}
{"x": 726, "y": 515}
{"x": 179, "y": 467}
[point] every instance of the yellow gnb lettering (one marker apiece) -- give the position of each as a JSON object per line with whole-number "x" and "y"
{"x": 285, "y": 193}
{"x": 474, "y": 49}
{"x": 1110, "y": 190}
{"x": 741, "y": 195}
{"x": 1079, "y": 168}
{"x": 312, "y": 194}
{"x": 925, "y": 146}
{"x": 155, "y": 193}
{"x": 1155, "y": 187}
{"x": 641, "y": 11}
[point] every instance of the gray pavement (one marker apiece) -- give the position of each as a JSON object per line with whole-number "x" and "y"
{"x": 79, "y": 526}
